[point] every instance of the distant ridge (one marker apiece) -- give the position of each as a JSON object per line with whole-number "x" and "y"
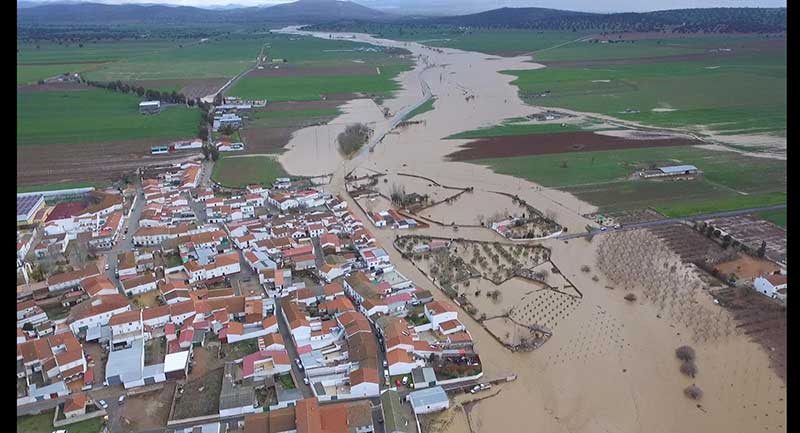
{"x": 712, "y": 20}
{"x": 334, "y": 14}
{"x": 301, "y": 12}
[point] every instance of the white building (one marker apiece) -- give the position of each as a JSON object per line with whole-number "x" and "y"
{"x": 428, "y": 400}
{"x": 773, "y": 286}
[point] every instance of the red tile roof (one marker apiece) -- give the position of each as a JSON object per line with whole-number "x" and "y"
{"x": 126, "y": 317}
{"x": 75, "y": 402}
{"x": 307, "y": 416}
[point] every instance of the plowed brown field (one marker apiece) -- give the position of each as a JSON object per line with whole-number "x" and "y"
{"x": 542, "y": 144}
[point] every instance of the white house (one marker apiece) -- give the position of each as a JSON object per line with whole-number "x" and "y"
{"x": 428, "y": 400}
{"x": 773, "y": 286}
{"x": 98, "y": 312}
{"x": 401, "y": 362}
{"x": 237, "y": 331}
{"x": 439, "y": 312}
{"x": 364, "y": 382}
{"x": 140, "y": 284}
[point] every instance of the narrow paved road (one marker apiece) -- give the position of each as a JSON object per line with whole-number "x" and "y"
{"x": 666, "y": 221}
{"x": 283, "y": 328}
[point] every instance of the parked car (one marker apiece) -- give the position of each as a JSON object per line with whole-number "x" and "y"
{"x": 385, "y": 363}
{"x": 397, "y": 382}
{"x": 107, "y": 266}
{"x": 405, "y": 380}
{"x": 475, "y": 389}
{"x": 305, "y": 380}
{"x": 616, "y": 226}
{"x": 121, "y": 399}
{"x": 124, "y": 236}
{"x": 103, "y": 404}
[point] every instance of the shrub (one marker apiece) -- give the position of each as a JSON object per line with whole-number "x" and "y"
{"x": 685, "y": 353}
{"x": 353, "y": 137}
{"x": 585, "y": 268}
{"x": 693, "y": 391}
{"x": 689, "y": 368}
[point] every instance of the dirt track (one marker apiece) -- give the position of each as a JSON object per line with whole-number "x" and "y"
{"x": 543, "y": 144}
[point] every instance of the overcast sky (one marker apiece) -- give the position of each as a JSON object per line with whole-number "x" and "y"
{"x": 579, "y": 5}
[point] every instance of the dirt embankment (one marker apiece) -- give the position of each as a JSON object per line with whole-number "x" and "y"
{"x": 543, "y": 144}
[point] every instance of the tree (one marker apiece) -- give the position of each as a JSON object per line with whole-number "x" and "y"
{"x": 685, "y": 353}
{"x": 762, "y": 250}
{"x": 28, "y": 326}
{"x": 206, "y": 152}
{"x": 693, "y": 391}
{"x": 689, "y": 368}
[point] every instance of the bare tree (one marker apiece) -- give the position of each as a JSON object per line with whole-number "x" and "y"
{"x": 694, "y": 392}
{"x": 689, "y": 368}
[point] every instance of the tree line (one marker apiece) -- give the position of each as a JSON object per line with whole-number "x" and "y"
{"x": 149, "y": 94}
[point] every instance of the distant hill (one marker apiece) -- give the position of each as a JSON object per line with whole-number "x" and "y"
{"x": 300, "y": 12}
{"x": 717, "y": 20}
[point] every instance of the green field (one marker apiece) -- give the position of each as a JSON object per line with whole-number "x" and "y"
{"x": 91, "y": 52}
{"x": 737, "y": 94}
{"x": 37, "y": 61}
{"x": 777, "y": 217}
{"x": 96, "y": 115}
{"x": 30, "y": 74}
{"x": 502, "y": 42}
{"x": 489, "y": 41}
{"x": 226, "y": 57}
{"x": 306, "y": 51}
{"x": 306, "y": 88}
{"x": 43, "y": 423}
{"x": 424, "y": 108}
{"x": 670, "y": 46}
{"x": 239, "y": 172}
{"x": 57, "y": 186}
{"x": 730, "y": 180}
{"x": 722, "y": 204}
{"x": 289, "y": 118}
{"x": 211, "y": 59}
